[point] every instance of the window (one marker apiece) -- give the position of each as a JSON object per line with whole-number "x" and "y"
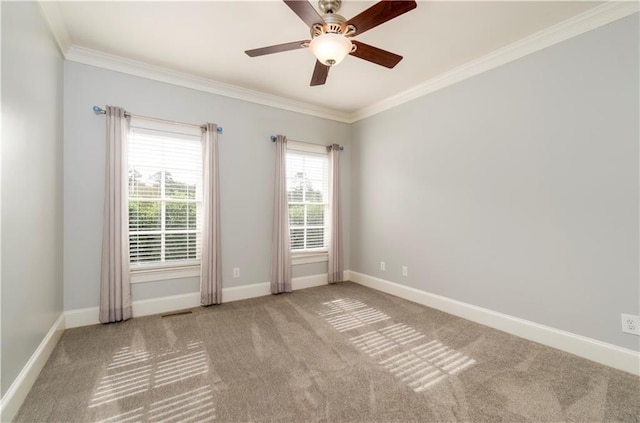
{"x": 308, "y": 194}
{"x": 165, "y": 198}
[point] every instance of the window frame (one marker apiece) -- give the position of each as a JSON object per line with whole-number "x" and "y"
{"x": 178, "y": 269}
{"x": 311, "y": 255}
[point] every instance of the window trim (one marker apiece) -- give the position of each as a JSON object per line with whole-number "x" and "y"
{"x": 143, "y": 272}
{"x": 306, "y": 147}
{"x": 303, "y": 256}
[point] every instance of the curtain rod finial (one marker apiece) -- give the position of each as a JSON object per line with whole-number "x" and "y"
{"x": 273, "y": 138}
{"x": 219, "y": 129}
{"x": 97, "y": 110}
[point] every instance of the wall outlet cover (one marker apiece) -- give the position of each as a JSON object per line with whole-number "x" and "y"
{"x": 630, "y": 324}
{"x": 383, "y": 266}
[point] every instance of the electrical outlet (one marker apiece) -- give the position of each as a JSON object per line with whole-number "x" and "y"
{"x": 383, "y": 266}
{"x": 405, "y": 271}
{"x": 630, "y": 324}
{"x": 236, "y": 272}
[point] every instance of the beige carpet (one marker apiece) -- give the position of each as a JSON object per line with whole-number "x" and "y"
{"x": 340, "y": 353}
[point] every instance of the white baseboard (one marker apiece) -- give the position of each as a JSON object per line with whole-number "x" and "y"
{"x": 347, "y": 275}
{"x": 81, "y": 317}
{"x": 305, "y": 282}
{"x": 165, "y": 304}
{"x": 89, "y": 316}
{"x": 244, "y": 292}
{"x": 591, "y": 349}
{"x": 17, "y": 392}
{"x": 261, "y": 289}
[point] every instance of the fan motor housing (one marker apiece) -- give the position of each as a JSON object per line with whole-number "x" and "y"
{"x": 333, "y": 23}
{"x": 329, "y": 6}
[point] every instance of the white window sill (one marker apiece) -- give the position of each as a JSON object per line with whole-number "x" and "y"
{"x": 307, "y": 258}
{"x": 143, "y": 275}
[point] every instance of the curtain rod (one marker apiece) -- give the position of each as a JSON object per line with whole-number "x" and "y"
{"x": 99, "y": 111}
{"x": 273, "y": 139}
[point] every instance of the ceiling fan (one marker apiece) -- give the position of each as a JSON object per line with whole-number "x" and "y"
{"x": 331, "y": 34}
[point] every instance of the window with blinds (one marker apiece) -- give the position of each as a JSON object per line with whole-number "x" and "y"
{"x": 308, "y": 196}
{"x": 165, "y": 198}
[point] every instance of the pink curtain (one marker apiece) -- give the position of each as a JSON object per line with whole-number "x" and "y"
{"x": 335, "y": 265}
{"x": 281, "y": 252}
{"x": 115, "y": 286}
{"x": 211, "y": 265}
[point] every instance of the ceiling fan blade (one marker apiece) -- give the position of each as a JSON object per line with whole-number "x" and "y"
{"x": 375, "y": 55}
{"x": 305, "y": 11}
{"x": 380, "y": 13}
{"x": 320, "y": 73}
{"x": 277, "y": 48}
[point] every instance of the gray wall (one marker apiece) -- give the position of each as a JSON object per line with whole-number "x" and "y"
{"x": 31, "y": 185}
{"x": 515, "y": 190}
{"x": 246, "y": 174}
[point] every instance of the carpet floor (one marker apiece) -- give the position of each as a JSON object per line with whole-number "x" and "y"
{"x": 338, "y": 353}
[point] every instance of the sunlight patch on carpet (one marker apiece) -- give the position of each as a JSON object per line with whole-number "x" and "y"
{"x": 195, "y": 405}
{"x": 131, "y": 372}
{"x": 380, "y": 341}
{"x": 131, "y": 416}
{"x": 192, "y": 406}
{"x": 347, "y": 314}
{"x": 419, "y": 367}
{"x": 180, "y": 368}
{"x": 340, "y": 306}
{"x": 424, "y": 366}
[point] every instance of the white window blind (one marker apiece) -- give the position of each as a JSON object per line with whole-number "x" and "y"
{"x": 165, "y": 198}
{"x": 308, "y": 196}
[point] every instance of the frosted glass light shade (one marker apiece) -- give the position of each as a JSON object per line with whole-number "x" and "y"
{"x": 330, "y": 49}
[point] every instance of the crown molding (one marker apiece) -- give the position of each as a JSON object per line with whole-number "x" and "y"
{"x": 572, "y": 27}
{"x": 51, "y": 12}
{"x": 157, "y": 73}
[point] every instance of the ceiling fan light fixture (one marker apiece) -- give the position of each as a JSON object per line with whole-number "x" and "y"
{"x": 330, "y": 49}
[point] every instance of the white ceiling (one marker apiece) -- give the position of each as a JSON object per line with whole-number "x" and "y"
{"x": 208, "y": 40}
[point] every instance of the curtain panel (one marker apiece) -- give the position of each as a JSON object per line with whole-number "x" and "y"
{"x": 211, "y": 263}
{"x": 115, "y": 286}
{"x": 281, "y": 251}
{"x": 335, "y": 264}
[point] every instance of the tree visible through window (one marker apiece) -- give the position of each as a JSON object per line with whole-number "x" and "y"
{"x": 307, "y": 189}
{"x": 164, "y": 199}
